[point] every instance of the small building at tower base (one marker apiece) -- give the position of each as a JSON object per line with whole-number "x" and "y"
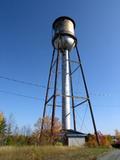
{"x": 73, "y": 138}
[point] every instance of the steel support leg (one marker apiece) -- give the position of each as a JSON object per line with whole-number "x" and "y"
{"x": 46, "y": 97}
{"x": 87, "y": 94}
{"x": 54, "y": 98}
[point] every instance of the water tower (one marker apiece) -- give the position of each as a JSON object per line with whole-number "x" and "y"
{"x": 64, "y": 42}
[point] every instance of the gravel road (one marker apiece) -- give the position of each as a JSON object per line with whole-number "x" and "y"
{"x": 113, "y": 155}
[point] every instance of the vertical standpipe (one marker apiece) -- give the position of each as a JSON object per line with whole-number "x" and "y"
{"x": 65, "y": 91}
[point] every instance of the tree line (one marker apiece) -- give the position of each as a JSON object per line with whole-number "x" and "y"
{"x": 11, "y": 134}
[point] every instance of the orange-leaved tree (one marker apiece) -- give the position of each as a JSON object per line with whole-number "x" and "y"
{"x": 46, "y": 132}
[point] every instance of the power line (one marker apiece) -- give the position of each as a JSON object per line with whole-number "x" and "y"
{"x": 36, "y": 98}
{"x": 106, "y": 106}
{"x": 20, "y": 95}
{"x": 44, "y": 87}
{"x": 23, "y": 82}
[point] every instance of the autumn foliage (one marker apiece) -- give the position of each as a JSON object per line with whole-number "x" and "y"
{"x": 45, "y": 138}
{"x": 104, "y": 140}
{"x": 11, "y": 134}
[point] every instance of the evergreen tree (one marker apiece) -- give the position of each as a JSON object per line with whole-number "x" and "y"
{"x": 3, "y": 128}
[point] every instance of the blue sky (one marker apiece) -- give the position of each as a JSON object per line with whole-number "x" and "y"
{"x": 25, "y": 54}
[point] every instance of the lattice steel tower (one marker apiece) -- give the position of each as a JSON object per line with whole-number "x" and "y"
{"x": 64, "y": 41}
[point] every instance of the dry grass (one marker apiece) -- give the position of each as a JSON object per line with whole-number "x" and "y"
{"x": 50, "y": 153}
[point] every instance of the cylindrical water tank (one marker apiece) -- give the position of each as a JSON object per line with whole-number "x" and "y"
{"x": 64, "y": 34}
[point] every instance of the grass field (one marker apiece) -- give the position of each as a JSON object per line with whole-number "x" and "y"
{"x": 50, "y": 153}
